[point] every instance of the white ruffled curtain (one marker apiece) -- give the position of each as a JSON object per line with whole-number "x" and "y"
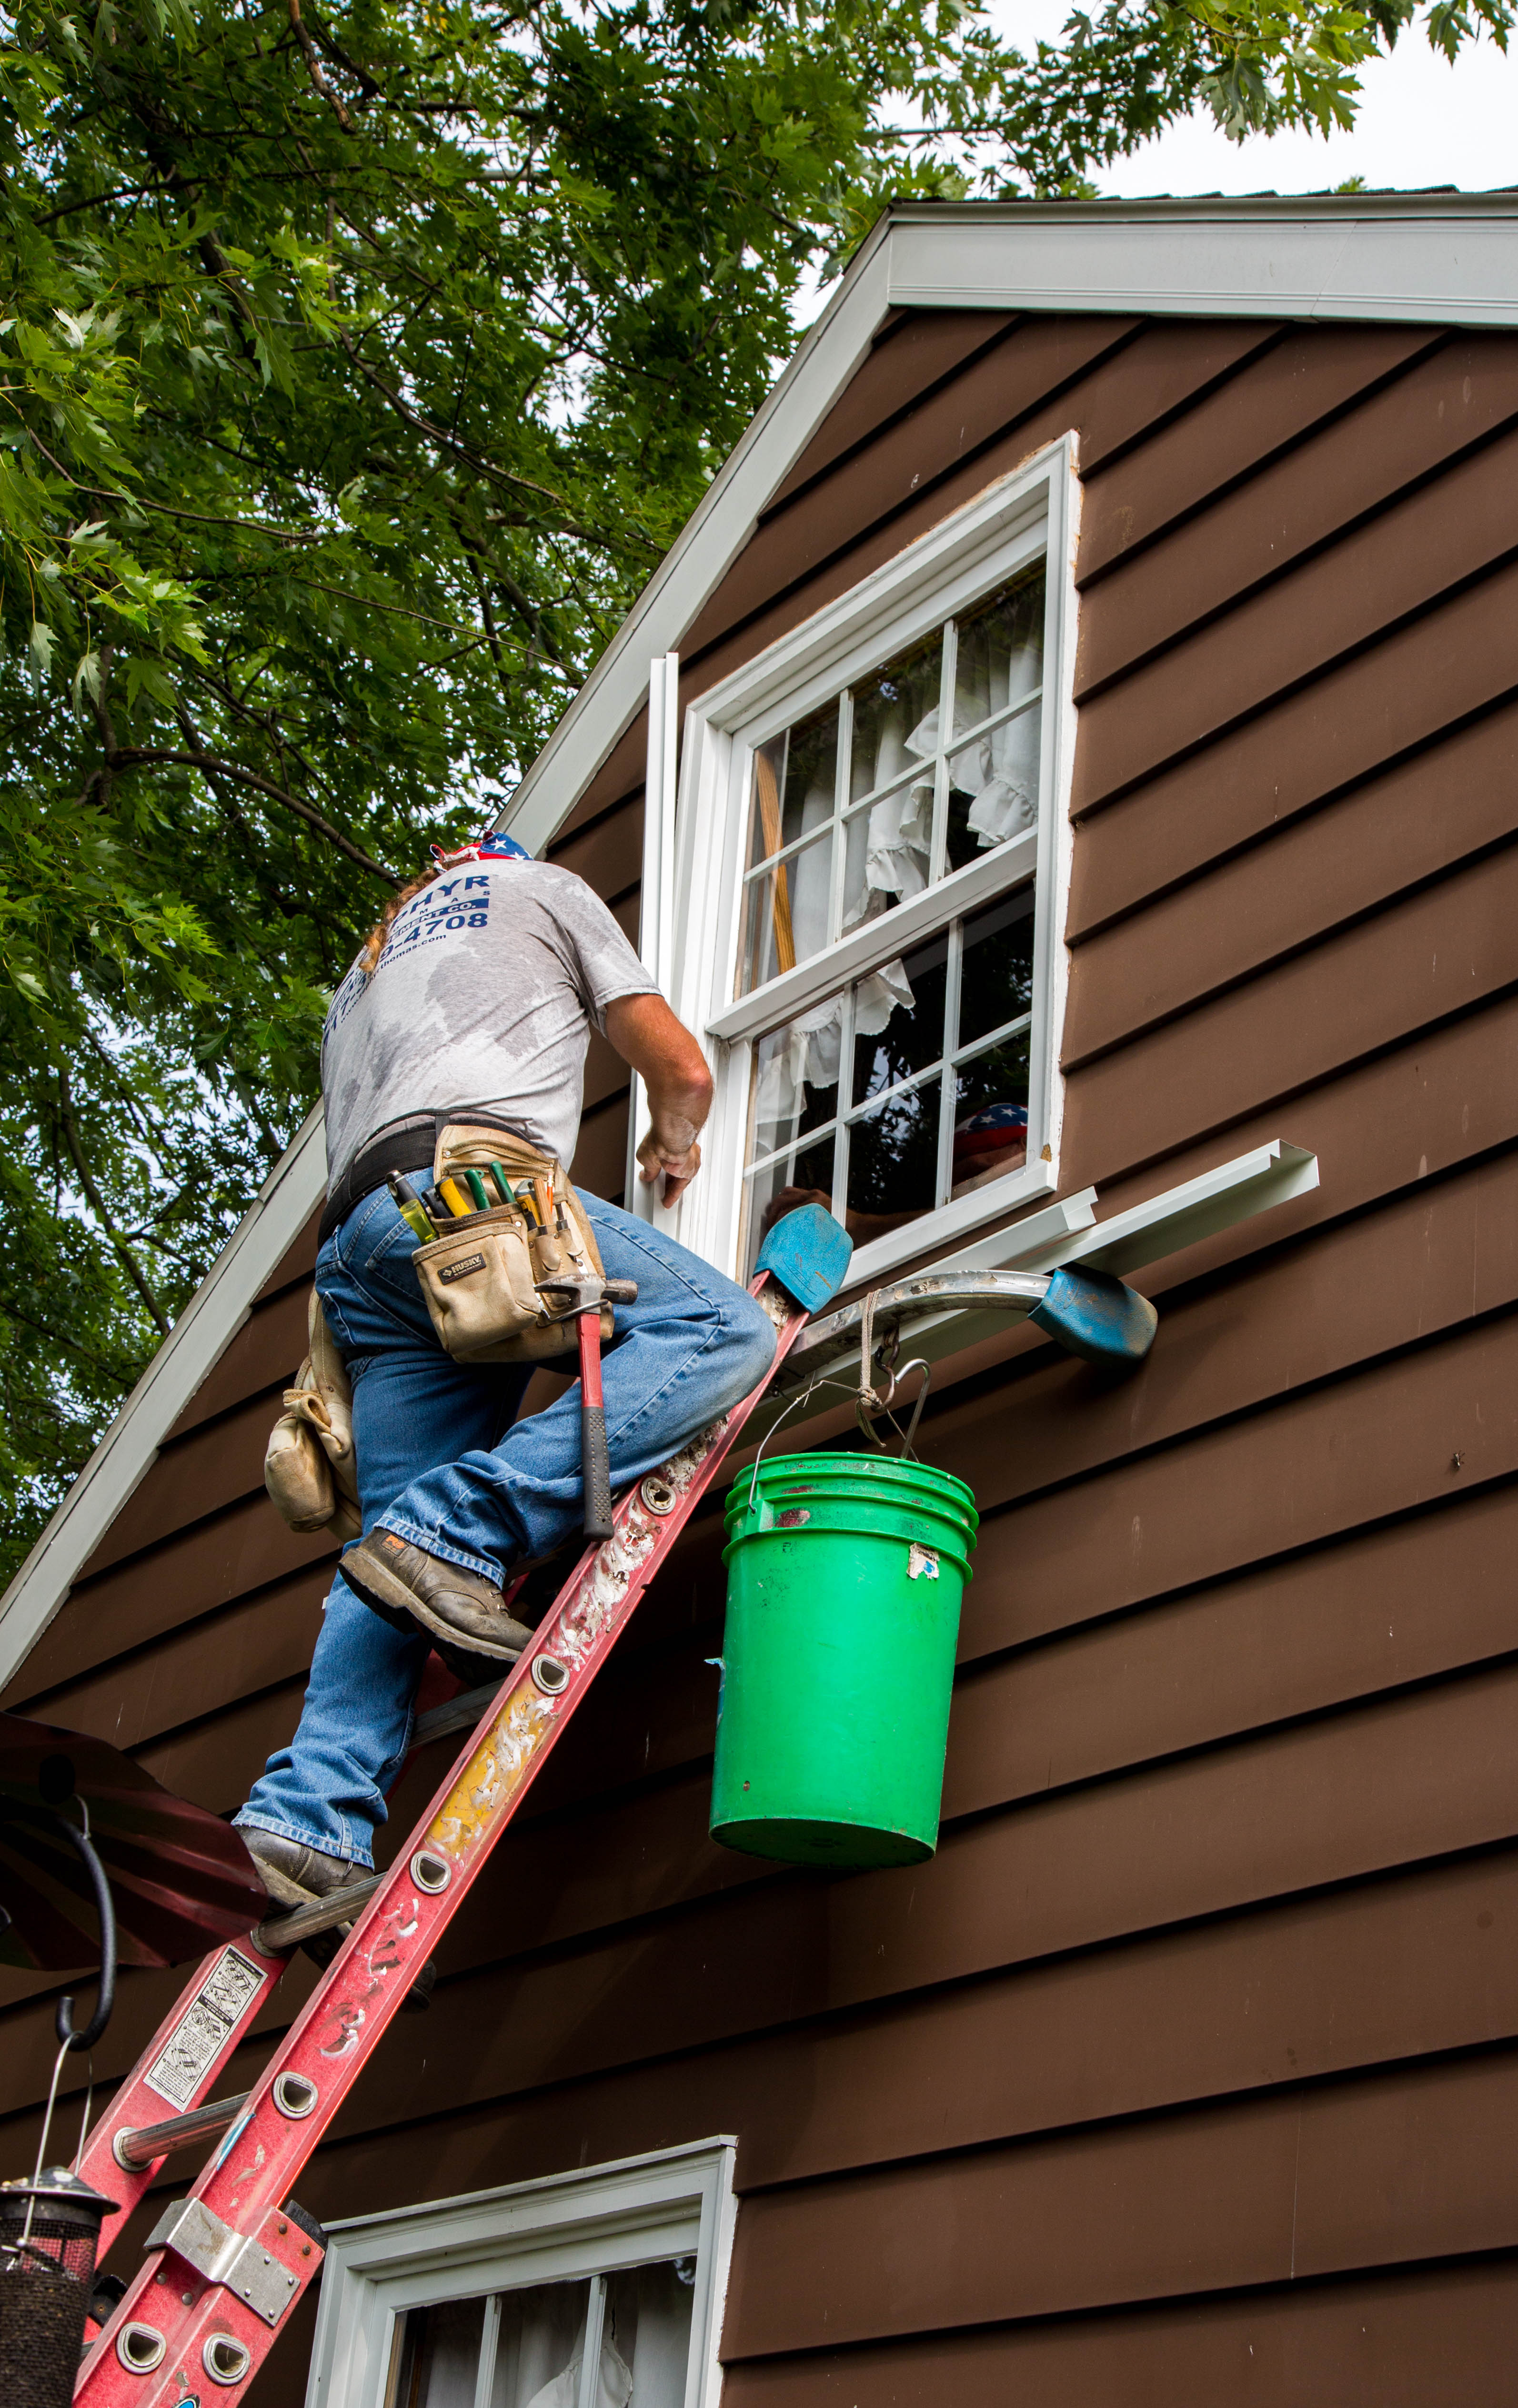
{"x": 998, "y": 769}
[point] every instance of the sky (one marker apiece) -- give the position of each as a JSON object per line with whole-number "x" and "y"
{"x": 1421, "y": 122}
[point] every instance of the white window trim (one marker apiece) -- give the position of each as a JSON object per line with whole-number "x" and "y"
{"x": 672, "y": 2203}
{"x": 1012, "y": 524}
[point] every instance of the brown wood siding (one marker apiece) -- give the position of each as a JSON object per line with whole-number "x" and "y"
{"x": 1185, "y": 2071}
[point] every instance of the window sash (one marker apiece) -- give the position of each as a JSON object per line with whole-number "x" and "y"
{"x": 1010, "y": 526}
{"x": 773, "y": 928}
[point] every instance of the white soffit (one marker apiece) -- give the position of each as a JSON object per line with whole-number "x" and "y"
{"x": 1427, "y": 258}
{"x": 193, "y": 1347}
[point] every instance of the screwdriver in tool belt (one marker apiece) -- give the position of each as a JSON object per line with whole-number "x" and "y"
{"x": 410, "y": 1207}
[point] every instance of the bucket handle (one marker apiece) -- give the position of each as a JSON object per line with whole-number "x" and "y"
{"x": 802, "y": 1396}
{"x": 869, "y": 1401}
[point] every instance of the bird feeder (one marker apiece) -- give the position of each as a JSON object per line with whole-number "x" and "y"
{"x": 48, "y": 2232}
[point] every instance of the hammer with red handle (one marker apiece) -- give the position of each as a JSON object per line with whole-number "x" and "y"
{"x": 587, "y": 1292}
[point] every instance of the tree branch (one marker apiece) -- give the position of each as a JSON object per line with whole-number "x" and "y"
{"x": 97, "y": 1205}
{"x": 140, "y": 757}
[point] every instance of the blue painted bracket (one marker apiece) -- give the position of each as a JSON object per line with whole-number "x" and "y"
{"x": 1092, "y": 1314}
{"x": 809, "y": 1253}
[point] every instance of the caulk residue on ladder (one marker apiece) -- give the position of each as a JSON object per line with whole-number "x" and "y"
{"x": 920, "y": 1561}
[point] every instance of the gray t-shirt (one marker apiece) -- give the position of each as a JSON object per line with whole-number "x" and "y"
{"x": 484, "y": 995}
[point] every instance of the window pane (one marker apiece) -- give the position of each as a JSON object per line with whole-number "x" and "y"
{"x": 898, "y": 1020}
{"x": 648, "y": 2323}
{"x": 440, "y": 2355}
{"x": 538, "y": 2357}
{"x": 993, "y": 779}
{"x": 991, "y": 1118}
{"x": 893, "y": 1161}
{"x": 795, "y": 776}
{"x": 887, "y": 848}
{"x": 995, "y": 981}
{"x": 786, "y": 913}
{"x": 1001, "y": 656}
{"x": 795, "y": 1078}
{"x": 895, "y": 718}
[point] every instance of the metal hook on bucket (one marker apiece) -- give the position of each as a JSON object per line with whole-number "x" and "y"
{"x": 871, "y": 1402}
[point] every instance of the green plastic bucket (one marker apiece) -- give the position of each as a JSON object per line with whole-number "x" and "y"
{"x": 844, "y": 1579}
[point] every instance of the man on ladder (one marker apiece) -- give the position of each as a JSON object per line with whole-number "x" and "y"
{"x": 472, "y": 999}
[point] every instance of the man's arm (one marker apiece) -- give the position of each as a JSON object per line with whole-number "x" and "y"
{"x": 674, "y": 1071}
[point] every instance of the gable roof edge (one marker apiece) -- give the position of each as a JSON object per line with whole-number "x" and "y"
{"x": 195, "y": 1344}
{"x": 1431, "y": 258}
{"x": 707, "y": 544}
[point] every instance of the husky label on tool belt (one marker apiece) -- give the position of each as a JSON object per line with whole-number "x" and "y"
{"x": 204, "y": 2028}
{"x": 462, "y": 1270}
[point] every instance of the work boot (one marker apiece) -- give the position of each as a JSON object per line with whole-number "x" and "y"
{"x": 405, "y": 1585}
{"x": 296, "y": 1876}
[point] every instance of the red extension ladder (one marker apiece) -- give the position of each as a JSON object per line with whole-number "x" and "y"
{"x": 226, "y": 2266}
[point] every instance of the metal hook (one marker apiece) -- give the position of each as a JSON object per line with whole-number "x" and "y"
{"x": 60, "y": 1827}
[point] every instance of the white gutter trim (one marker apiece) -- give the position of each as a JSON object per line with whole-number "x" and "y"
{"x": 1164, "y": 1223}
{"x": 193, "y": 1347}
{"x": 701, "y": 556}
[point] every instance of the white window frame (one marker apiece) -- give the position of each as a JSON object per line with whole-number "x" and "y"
{"x": 1029, "y": 515}
{"x": 671, "y": 2203}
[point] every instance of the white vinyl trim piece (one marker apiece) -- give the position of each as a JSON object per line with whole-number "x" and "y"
{"x": 656, "y": 895}
{"x": 1163, "y": 1224}
{"x": 1428, "y": 265}
{"x": 1181, "y": 1216}
{"x": 194, "y": 1346}
{"x": 673, "y": 2202}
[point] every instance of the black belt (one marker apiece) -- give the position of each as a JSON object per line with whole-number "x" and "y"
{"x": 403, "y": 1146}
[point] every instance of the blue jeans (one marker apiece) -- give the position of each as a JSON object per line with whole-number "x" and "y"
{"x": 443, "y": 1462}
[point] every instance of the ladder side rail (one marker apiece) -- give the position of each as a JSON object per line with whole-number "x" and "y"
{"x": 235, "y": 2206}
{"x": 179, "y": 2067}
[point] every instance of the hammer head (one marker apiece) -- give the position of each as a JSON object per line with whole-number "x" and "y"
{"x": 586, "y": 1291}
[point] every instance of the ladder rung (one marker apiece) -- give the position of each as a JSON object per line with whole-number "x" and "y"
{"x": 139, "y": 2147}
{"x": 283, "y": 1931}
{"x": 460, "y": 1713}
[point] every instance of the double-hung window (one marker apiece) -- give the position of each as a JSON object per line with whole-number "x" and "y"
{"x": 598, "y": 2289}
{"x": 870, "y": 892}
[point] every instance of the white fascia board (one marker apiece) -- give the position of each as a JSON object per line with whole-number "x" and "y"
{"x": 707, "y": 547}
{"x": 1414, "y": 260}
{"x": 194, "y": 1346}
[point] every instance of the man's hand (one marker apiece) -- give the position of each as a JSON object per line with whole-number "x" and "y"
{"x": 790, "y": 1199}
{"x": 674, "y": 1071}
